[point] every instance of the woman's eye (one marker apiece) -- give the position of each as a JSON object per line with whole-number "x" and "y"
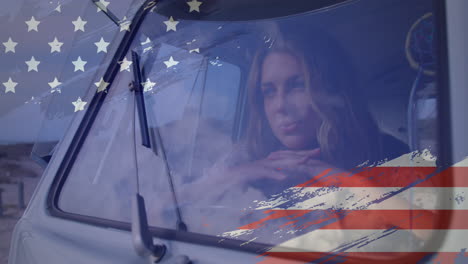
{"x": 268, "y": 92}
{"x": 298, "y": 85}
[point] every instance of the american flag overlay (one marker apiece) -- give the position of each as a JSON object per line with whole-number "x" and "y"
{"x": 54, "y": 54}
{"x": 347, "y": 217}
{"x": 51, "y": 54}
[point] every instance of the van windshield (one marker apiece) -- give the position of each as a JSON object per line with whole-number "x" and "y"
{"x": 283, "y": 131}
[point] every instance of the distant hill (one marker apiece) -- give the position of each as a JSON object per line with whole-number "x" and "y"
{"x": 14, "y": 150}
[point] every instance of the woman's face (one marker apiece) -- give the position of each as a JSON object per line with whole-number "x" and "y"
{"x": 287, "y": 103}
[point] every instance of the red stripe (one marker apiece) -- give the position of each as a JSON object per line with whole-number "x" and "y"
{"x": 366, "y": 219}
{"x": 391, "y": 177}
{"x": 276, "y": 214}
{"x": 361, "y": 257}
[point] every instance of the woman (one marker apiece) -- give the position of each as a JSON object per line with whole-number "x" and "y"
{"x": 317, "y": 82}
{"x": 305, "y": 116}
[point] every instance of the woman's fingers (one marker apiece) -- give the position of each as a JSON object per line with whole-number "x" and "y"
{"x": 287, "y": 161}
{"x": 245, "y": 173}
{"x": 281, "y": 168}
{"x": 301, "y": 165}
{"x": 313, "y": 153}
{"x": 266, "y": 169}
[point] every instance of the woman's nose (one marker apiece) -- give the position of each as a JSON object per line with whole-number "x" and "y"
{"x": 281, "y": 102}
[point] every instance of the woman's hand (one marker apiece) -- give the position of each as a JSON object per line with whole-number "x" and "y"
{"x": 292, "y": 154}
{"x": 303, "y": 163}
{"x": 278, "y": 171}
{"x": 280, "y": 165}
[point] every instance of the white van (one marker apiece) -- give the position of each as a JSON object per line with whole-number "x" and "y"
{"x": 265, "y": 131}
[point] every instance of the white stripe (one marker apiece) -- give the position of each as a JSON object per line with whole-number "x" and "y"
{"x": 399, "y": 241}
{"x": 413, "y": 159}
{"x": 368, "y": 198}
{"x": 462, "y": 163}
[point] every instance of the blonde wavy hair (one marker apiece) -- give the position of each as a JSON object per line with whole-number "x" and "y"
{"x": 347, "y": 135}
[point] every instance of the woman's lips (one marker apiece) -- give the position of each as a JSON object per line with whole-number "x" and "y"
{"x": 289, "y": 127}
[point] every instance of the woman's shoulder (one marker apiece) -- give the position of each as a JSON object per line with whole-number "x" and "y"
{"x": 392, "y": 147}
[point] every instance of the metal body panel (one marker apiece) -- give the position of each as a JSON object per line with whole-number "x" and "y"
{"x": 457, "y": 42}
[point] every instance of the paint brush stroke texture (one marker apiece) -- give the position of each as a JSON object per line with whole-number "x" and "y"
{"x": 336, "y": 217}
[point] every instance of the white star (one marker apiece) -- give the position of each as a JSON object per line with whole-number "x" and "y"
{"x": 53, "y": 86}
{"x": 10, "y": 45}
{"x": 125, "y": 64}
{"x": 32, "y": 24}
{"x": 101, "y": 45}
{"x": 79, "y": 64}
{"x": 148, "y": 85}
{"x": 10, "y": 86}
{"x": 102, "y": 4}
{"x": 32, "y": 64}
{"x": 79, "y": 104}
{"x": 194, "y": 6}
{"x": 55, "y": 45}
{"x": 124, "y": 24}
{"x": 101, "y": 85}
{"x": 197, "y": 50}
{"x": 58, "y": 8}
{"x": 79, "y": 24}
{"x": 171, "y": 62}
{"x": 171, "y": 24}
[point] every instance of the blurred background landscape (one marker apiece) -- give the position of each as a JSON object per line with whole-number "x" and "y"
{"x": 16, "y": 166}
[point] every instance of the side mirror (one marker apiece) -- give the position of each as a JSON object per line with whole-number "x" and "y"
{"x": 42, "y": 152}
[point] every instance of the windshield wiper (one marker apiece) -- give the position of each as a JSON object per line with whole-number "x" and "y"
{"x": 142, "y": 239}
{"x": 139, "y": 97}
{"x": 138, "y": 90}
